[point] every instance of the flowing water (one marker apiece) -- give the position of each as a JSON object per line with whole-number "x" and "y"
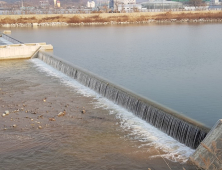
{"x": 105, "y": 137}
{"x": 181, "y": 128}
{"x": 176, "y": 65}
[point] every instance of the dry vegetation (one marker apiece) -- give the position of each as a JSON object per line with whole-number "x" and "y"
{"x": 211, "y": 163}
{"x": 208, "y": 15}
{"x": 128, "y": 18}
{"x": 109, "y": 17}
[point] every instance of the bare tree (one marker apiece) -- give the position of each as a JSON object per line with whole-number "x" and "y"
{"x": 196, "y": 3}
{"x": 116, "y": 4}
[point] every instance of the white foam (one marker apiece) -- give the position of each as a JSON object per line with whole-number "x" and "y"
{"x": 137, "y": 128}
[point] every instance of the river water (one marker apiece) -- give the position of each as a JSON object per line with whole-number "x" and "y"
{"x": 105, "y": 137}
{"x": 176, "y": 65}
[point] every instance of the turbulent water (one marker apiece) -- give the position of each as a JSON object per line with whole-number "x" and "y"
{"x": 138, "y": 129}
{"x": 164, "y": 119}
{"x": 105, "y": 137}
{"x": 177, "y": 65}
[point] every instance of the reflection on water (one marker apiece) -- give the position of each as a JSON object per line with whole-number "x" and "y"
{"x": 105, "y": 137}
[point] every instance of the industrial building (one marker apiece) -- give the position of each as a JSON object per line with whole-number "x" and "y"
{"x": 116, "y": 4}
{"x": 161, "y": 4}
{"x": 44, "y": 4}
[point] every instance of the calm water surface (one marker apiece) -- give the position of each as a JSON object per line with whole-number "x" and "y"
{"x": 177, "y": 65}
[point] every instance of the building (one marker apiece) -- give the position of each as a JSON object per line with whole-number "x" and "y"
{"x": 58, "y": 4}
{"x": 55, "y": 4}
{"x": 130, "y": 7}
{"x": 214, "y": 2}
{"x": 114, "y": 4}
{"x": 161, "y": 4}
{"x": 44, "y": 4}
{"x": 91, "y": 4}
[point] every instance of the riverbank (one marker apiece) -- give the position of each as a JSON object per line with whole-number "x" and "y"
{"x": 109, "y": 18}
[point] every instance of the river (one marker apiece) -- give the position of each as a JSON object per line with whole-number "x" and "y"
{"x": 176, "y": 65}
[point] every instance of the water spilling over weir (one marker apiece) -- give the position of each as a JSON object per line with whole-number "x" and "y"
{"x": 175, "y": 125}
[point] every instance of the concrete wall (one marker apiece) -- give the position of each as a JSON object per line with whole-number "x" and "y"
{"x": 17, "y": 51}
{"x": 21, "y": 51}
{"x": 208, "y": 155}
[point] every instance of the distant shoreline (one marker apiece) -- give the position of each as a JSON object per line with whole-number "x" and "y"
{"x": 32, "y": 20}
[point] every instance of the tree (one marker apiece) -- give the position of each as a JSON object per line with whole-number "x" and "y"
{"x": 196, "y": 3}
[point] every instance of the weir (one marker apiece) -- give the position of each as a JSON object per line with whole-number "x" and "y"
{"x": 181, "y": 128}
{"x": 11, "y": 48}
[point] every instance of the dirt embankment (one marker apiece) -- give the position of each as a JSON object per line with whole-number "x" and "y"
{"x": 111, "y": 17}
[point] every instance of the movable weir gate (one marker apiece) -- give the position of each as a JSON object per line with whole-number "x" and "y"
{"x": 179, "y": 127}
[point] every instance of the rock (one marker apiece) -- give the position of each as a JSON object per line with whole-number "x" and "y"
{"x": 3, "y": 115}
{"x": 41, "y": 116}
{"x": 83, "y": 111}
{"x": 7, "y": 112}
{"x": 62, "y": 113}
{"x": 14, "y": 125}
{"x": 40, "y": 127}
{"x": 51, "y": 119}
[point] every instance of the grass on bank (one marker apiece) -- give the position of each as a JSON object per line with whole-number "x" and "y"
{"x": 114, "y": 18}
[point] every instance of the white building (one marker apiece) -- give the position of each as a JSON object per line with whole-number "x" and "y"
{"x": 126, "y": 2}
{"x": 58, "y": 4}
{"x": 44, "y": 3}
{"x": 214, "y": 2}
{"x": 91, "y": 4}
{"x": 130, "y": 7}
{"x": 116, "y": 4}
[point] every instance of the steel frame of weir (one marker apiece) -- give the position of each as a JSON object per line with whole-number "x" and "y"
{"x": 180, "y": 127}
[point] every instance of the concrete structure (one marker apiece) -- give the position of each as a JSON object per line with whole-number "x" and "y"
{"x": 58, "y": 4}
{"x": 44, "y": 4}
{"x": 214, "y": 2}
{"x": 21, "y": 51}
{"x": 91, "y": 4}
{"x": 115, "y": 3}
{"x": 7, "y": 31}
{"x": 208, "y": 155}
{"x": 130, "y": 8}
{"x": 4, "y": 41}
{"x": 162, "y": 4}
